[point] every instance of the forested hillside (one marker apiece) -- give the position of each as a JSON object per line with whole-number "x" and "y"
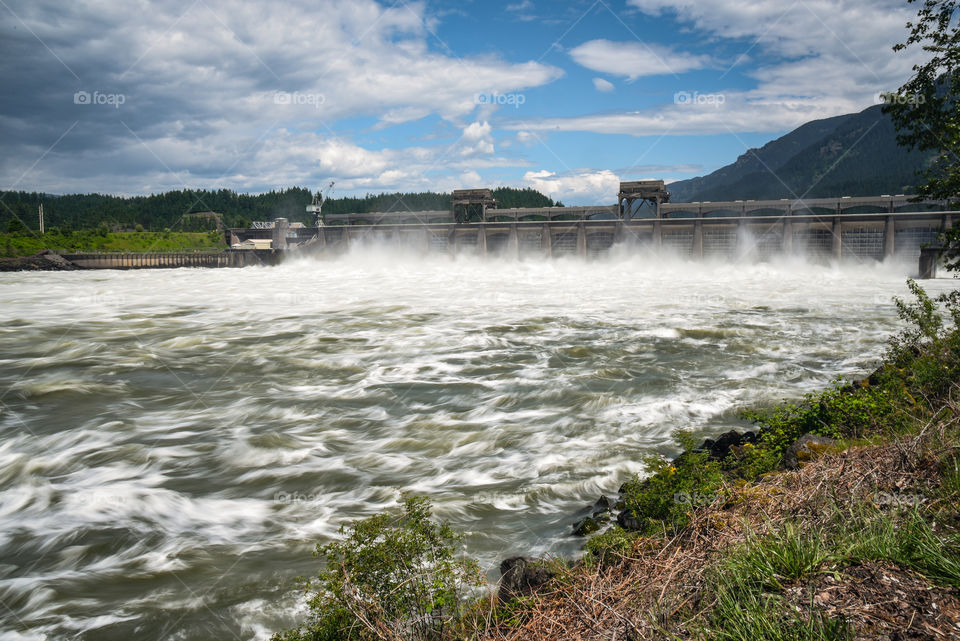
{"x": 174, "y": 210}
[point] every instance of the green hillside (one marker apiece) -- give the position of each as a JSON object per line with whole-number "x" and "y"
{"x": 176, "y": 210}
{"x": 851, "y": 155}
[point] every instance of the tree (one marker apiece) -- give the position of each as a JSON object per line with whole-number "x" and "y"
{"x": 390, "y": 578}
{"x": 924, "y": 110}
{"x": 16, "y": 226}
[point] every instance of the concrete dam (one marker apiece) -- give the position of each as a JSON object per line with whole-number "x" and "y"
{"x": 643, "y": 220}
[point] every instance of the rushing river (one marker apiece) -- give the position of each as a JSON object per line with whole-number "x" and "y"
{"x": 173, "y": 443}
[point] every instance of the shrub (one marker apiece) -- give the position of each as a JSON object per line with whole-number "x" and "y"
{"x": 392, "y": 577}
{"x": 664, "y": 499}
{"x": 615, "y": 542}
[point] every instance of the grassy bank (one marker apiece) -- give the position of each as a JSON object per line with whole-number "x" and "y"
{"x": 14, "y": 245}
{"x": 861, "y": 539}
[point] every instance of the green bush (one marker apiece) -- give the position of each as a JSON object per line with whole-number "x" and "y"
{"x": 395, "y": 577}
{"x": 663, "y": 500}
{"x": 615, "y": 542}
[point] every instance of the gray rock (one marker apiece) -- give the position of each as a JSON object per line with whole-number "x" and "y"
{"x": 628, "y": 521}
{"x": 520, "y": 576}
{"x": 806, "y": 448}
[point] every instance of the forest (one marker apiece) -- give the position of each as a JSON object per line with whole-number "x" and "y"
{"x": 189, "y": 210}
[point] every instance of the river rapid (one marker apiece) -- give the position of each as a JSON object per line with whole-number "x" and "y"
{"x": 173, "y": 443}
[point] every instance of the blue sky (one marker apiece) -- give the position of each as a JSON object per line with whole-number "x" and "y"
{"x": 566, "y": 97}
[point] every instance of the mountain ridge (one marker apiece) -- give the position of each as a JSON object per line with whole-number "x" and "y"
{"x": 848, "y": 155}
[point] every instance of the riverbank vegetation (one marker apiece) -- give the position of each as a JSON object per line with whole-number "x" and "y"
{"x": 101, "y": 240}
{"x": 858, "y": 538}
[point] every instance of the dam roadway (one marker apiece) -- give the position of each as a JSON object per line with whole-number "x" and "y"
{"x": 643, "y": 220}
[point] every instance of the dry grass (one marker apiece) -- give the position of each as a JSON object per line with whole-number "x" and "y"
{"x": 662, "y": 589}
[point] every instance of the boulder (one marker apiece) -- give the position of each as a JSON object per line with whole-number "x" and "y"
{"x": 805, "y": 448}
{"x": 586, "y": 526}
{"x": 720, "y": 448}
{"x": 520, "y": 576}
{"x": 628, "y": 521}
{"x": 602, "y": 505}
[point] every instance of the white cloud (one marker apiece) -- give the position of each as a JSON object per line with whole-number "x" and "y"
{"x": 470, "y": 179}
{"x": 212, "y": 88}
{"x": 602, "y": 85}
{"x": 476, "y": 140}
{"x": 811, "y": 59}
{"x": 634, "y": 59}
{"x": 526, "y": 138}
{"x": 839, "y": 48}
{"x": 739, "y": 112}
{"x": 585, "y": 186}
{"x": 525, "y": 5}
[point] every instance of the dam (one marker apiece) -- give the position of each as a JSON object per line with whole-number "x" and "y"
{"x": 643, "y": 220}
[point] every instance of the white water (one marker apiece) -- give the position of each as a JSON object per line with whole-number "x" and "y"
{"x": 174, "y": 442}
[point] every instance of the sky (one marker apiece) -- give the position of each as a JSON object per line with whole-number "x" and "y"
{"x": 134, "y": 97}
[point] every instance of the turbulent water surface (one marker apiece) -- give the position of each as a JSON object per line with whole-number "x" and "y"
{"x": 174, "y": 442}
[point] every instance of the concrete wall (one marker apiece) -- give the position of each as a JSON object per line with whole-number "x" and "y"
{"x": 836, "y": 237}
{"x": 172, "y": 260}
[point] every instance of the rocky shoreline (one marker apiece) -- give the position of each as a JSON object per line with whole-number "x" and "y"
{"x": 44, "y": 261}
{"x": 522, "y": 575}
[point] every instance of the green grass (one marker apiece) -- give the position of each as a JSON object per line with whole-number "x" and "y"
{"x": 743, "y": 614}
{"x": 12, "y": 245}
{"x": 748, "y": 583}
{"x": 782, "y": 556}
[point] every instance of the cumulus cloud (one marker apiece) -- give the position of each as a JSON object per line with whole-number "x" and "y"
{"x": 809, "y": 60}
{"x": 211, "y": 89}
{"x": 476, "y": 140}
{"x": 635, "y": 59}
{"x": 586, "y": 186}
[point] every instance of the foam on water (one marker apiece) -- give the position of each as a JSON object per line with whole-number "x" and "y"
{"x": 174, "y": 442}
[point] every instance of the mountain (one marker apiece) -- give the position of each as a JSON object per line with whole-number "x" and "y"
{"x": 851, "y": 155}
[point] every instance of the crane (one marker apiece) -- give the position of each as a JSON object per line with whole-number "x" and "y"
{"x": 317, "y": 205}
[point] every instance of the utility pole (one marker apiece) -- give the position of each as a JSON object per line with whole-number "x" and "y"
{"x": 40, "y": 212}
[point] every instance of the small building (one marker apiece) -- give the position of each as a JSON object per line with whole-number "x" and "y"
{"x": 254, "y": 243}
